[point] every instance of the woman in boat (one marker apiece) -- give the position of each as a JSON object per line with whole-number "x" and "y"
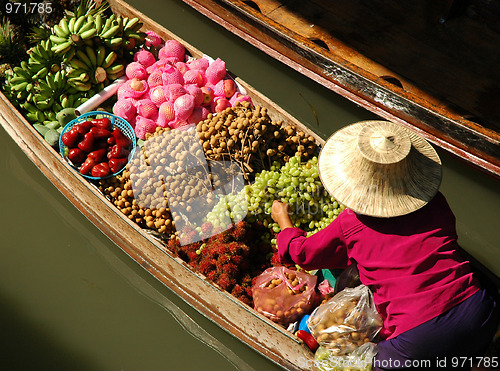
{"x": 399, "y": 230}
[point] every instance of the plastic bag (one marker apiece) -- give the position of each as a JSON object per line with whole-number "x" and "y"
{"x": 360, "y": 359}
{"x": 284, "y": 295}
{"x": 346, "y": 321}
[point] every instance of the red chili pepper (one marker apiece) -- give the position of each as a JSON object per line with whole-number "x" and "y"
{"x": 121, "y": 139}
{"x": 100, "y": 132}
{"x": 76, "y": 155}
{"x": 98, "y": 154}
{"x": 70, "y": 138}
{"x": 83, "y": 127}
{"x": 87, "y": 166}
{"x": 103, "y": 123}
{"x": 101, "y": 170}
{"x": 118, "y": 151}
{"x": 308, "y": 339}
{"x": 116, "y": 164}
{"x": 87, "y": 144}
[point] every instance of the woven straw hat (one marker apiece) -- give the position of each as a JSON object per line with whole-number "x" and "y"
{"x": 380, "y": 169}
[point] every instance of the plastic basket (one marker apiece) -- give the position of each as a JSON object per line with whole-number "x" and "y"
{"x": 116, "y": 121}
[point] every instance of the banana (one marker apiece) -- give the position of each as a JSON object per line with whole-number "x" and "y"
{"x": 63, "y": 25}
{"x": 31, "y": 117}
{"x": 107, "y": 25}
{"x": 87, "y": 26}
{"x": 80, "y": 86}
{"x": 16, "y": 80}
{"x": 78, "y": 64}
{"x": 78, "y": 24}
{"x": 71, "y": 25}
{"x": 109, "y": 60}
{"x": 88, "y": 34}
{"x": 65, "y": 101}
{"x": 140, "y": 36}
{"x": 41, "y": 73}
{"x": 62, "y": 48}
{"x": 114, "y": 43}
{"x": 69, "y": 54}
{"x": 51, "y": 81}
{"x": 21, "y": 72}
{"x": 43, "y": 50}
{"x": 98, "y": 23}
{"x": 58, "y": 39}
{"x": 84, "y": 58}
{"x": 20, "y": 86}
{"x": 59, "y": 32}
{"x": 132, "y": 24}
{"x": 111, "y": 32}
{"x": 101, "y": 55}
{"x": 114, "y": 76}
{"x": 92, "y": 56}
{"x": 58, "y": 78}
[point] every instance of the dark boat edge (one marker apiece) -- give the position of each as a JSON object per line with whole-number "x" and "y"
{"x": 464, "y": 138}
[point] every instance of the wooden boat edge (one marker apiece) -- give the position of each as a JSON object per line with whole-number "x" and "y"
{"x": 461, "y": 137}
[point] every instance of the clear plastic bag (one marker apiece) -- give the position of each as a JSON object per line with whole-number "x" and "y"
{"x": 346, "y": 321}
{"x": 284, "y": 295}
{"x": 361, "y": 359}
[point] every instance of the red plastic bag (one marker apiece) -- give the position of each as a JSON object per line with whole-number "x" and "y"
{"x": 284, "y": 295}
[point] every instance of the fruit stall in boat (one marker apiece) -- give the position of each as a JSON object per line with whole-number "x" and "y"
{"x": 131, "y": 208}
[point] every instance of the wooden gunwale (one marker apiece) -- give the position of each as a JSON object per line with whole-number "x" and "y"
{"x": 247, "y": 325}
{"x": 410, "y": 106}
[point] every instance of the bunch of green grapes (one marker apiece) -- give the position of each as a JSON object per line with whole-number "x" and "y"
{"x": 296, "y": 183}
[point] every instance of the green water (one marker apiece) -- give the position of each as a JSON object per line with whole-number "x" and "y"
{"x": 71, "y": 300}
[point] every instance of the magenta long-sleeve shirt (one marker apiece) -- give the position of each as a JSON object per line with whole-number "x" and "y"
{"x": 410, "y": 262}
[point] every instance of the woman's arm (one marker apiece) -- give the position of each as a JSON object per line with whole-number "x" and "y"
{"x": 324, "y": 249}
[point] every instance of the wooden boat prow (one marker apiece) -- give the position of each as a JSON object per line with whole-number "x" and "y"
{"x": 395, "y": 59}
{"x": 266, "y": 337}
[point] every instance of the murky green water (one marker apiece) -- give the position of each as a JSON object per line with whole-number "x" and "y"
{"x": 71, "y": 300}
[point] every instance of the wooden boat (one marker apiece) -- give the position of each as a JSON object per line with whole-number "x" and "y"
{"x": 252, "y": 328}
{"x": 263, "y": 335}
{"x": 429, "y": 65}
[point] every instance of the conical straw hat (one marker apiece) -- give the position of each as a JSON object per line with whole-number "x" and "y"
{"x": 380, "y": 169}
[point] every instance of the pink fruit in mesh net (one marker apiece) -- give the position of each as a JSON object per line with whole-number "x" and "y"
{"x": 146, "y": 108}
{"x": 166, "y": 114}
{"x": 216, "y": 71}
{"x": 238, "y": 97}
{"x": 199, "y": 64}
{"x": 193, "y": 77}
{"x": 199, "y": 113}
{"x": 143, "y": 126}
{"x": 174, "y": 91}
{"x": 196, "y": 92}
{"x": 125, "y": 108}
{"x": 219, "y": 89}
{"x": 181, "y": 66}
{"x": 136, "y": 70}
{"x": 172, "y": 48}
{"x": 208, "y": 95}
{"x": 219, "y": 104}
{"x": 144, "y": 57}
{"x": 184, "y": 106}
{"x": 157, "y": 95}
{"x": 172, "y": 75}
{"x": 134, "y": 88}
{"x": 155, "y": 79}
{"x": 152, "y": 39}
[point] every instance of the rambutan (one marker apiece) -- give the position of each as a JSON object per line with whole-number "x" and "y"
{"x": 226, "y": 282}
{"x": 193, "y": 256}
{"x": 212, "y": 276}
{"x": 207, "y": 265}
{"x": 236, "y": 259}
{"x": 275, "y": 259}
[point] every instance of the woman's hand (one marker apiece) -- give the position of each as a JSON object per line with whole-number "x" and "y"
{"x": 280, "y": 214}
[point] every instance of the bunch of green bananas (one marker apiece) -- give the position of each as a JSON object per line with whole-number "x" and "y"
{"x": 90, "y": 68}
{"x": 72, "y": 33}
{"x": 43, "y": 60}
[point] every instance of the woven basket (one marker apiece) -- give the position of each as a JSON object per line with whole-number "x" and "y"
{"x": 116, "y": 121}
